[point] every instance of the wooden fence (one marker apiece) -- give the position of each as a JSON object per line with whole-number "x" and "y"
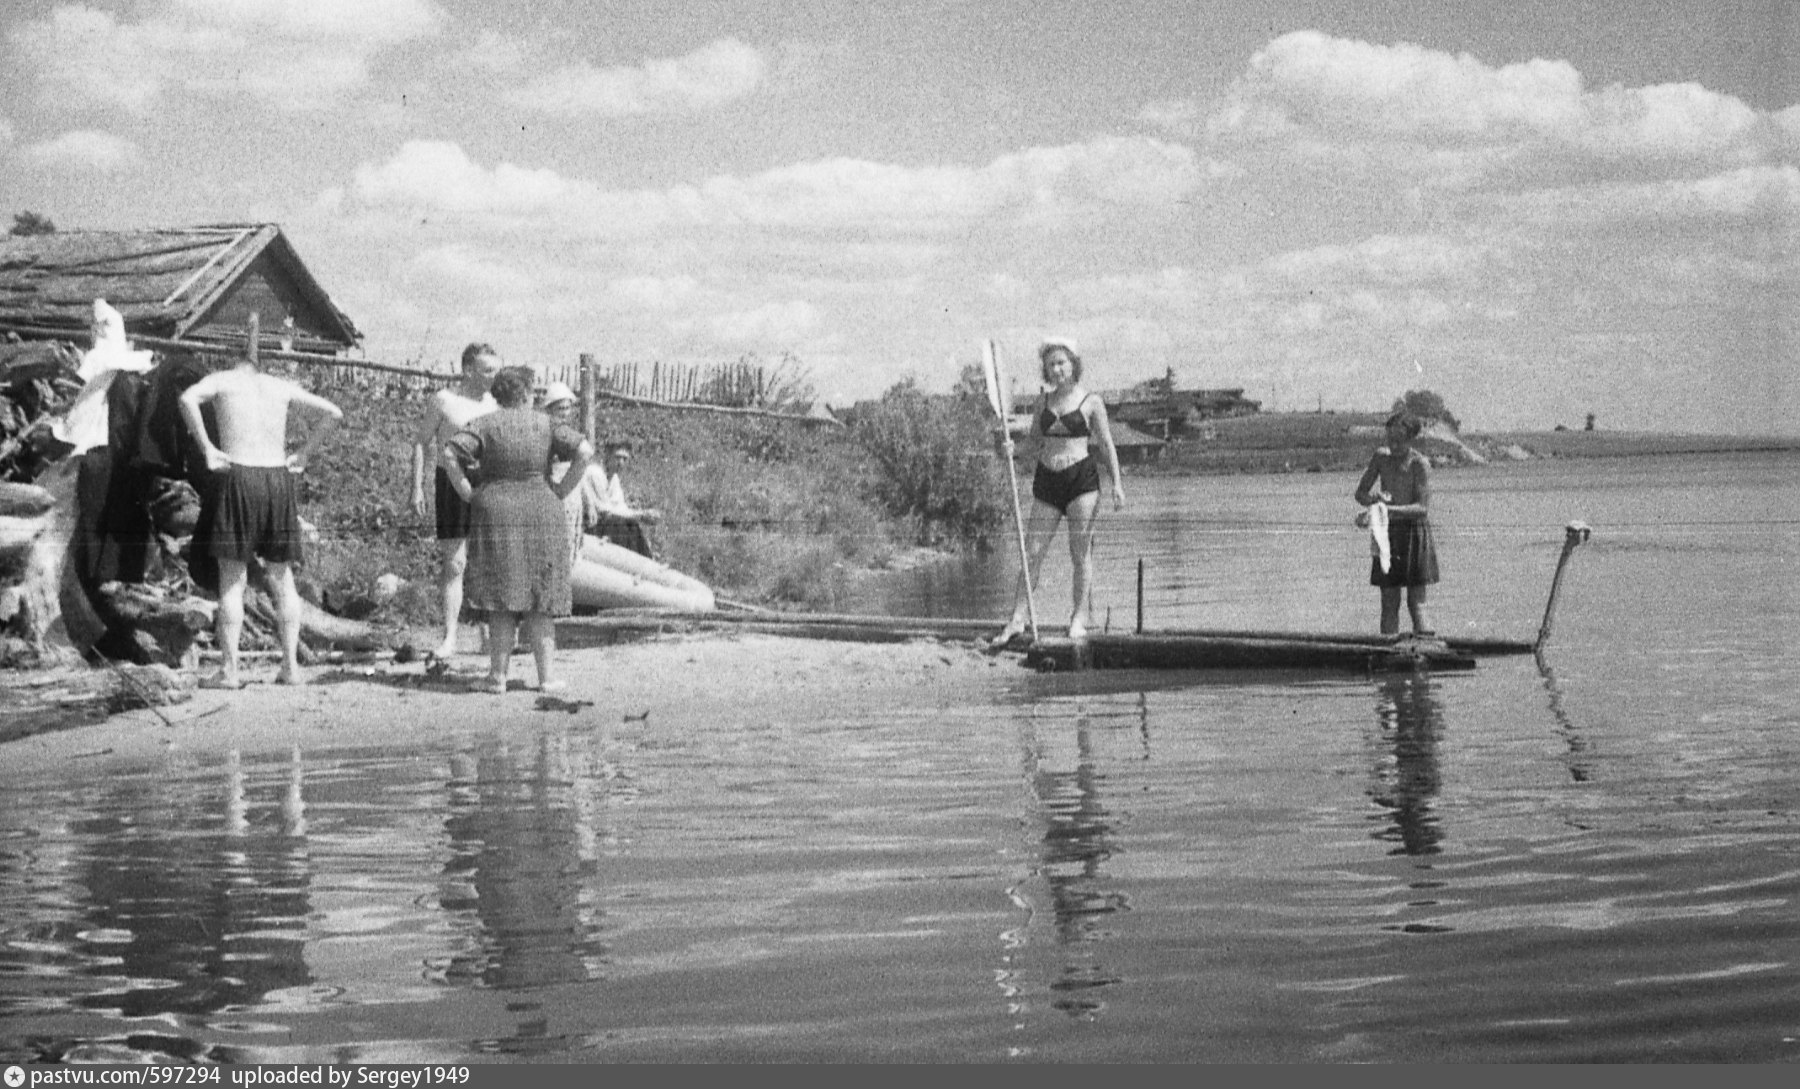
{"x": 745, "y": 387}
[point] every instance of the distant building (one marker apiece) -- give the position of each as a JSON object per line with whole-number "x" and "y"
{"x": 1159, "y": 408}
{"x": 1135, "y": 447}
{"x": 186, "y": 283}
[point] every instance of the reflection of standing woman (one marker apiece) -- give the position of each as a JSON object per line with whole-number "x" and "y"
{"x": 1069, "y": 422}
{"x": 518, "y": 546}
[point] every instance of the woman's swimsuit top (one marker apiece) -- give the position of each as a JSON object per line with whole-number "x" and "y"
{"x": 1073, "y": 423}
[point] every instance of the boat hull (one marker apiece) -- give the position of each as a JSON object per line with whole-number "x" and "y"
{"x": 606, "y": 576}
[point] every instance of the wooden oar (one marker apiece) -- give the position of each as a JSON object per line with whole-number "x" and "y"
{"x": 998, "y": 399}
{"x": 1575, "y": 534}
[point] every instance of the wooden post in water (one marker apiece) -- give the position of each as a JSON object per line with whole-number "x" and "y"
{"x": 1577, "y": 534}
{"x": 1140, "y": 596}
{"x": 589, "y": 425}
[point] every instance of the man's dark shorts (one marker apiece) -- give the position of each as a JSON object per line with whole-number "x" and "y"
{"x": 452, "y": 510}
{"x": 256, "y": 514}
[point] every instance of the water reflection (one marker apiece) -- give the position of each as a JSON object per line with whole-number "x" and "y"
{"x": 1578, "y": 746}
{"x": 524, "y": 847}
{"x": 1410, "y": 725}
{"x": 196, "y": 899}
{"x": 1077, "y": 840}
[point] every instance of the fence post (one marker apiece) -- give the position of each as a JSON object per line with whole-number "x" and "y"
{"x": 588, "y": 423}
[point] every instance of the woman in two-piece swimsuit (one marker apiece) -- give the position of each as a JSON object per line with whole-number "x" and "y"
{"x": 1069, "y": 424}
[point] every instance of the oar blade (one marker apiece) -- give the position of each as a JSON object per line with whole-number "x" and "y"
{"x": 990, "y": 372}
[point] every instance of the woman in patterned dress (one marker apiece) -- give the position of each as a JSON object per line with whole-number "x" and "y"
{"x": 518, "y": 573}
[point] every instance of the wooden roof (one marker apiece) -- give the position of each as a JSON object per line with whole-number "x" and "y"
{"x": 197, "y": 283}
{"x": 1124, "y": 435}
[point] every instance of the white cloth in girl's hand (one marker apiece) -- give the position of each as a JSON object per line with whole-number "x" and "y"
{"x": 1376, "y": 518}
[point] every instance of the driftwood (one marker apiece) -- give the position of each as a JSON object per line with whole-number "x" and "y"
{"x": 34, "y": 534}
{"x": 56, "y": 699}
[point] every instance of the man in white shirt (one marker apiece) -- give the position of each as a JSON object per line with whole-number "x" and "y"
{"x": 618, "y": 521}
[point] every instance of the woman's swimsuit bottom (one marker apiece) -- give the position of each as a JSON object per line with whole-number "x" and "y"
{"x": 1060, "y": 487}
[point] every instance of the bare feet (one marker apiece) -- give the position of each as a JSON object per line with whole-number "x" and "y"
{"x": 446, "y": 649}
{"x": 1014, "y": 628}
{"x": 291, "y": 677}
{"x": 1077, "y": 629}
{"x": 223, "y": 682}
{"x": 553, "y": 686}
{"x": 490, "y": 684}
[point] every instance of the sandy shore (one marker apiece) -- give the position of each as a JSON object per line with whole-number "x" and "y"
{"x": 645, "y": 683}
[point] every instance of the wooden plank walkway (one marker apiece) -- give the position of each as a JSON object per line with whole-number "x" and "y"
{"x": 1186, "y": 649}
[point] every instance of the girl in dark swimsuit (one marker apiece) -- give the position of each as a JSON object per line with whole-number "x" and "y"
{"x": 1069, "y": 423}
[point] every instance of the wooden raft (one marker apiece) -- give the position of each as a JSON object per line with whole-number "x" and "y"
{"x": 1193, "y": 650}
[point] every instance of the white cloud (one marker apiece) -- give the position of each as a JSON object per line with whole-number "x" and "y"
{"x": 1383, "y": 259}
{"x": 654, "y": 292}
{"x": 293, "y": 54}
{"x": 459, "y": 267}
{"x": 1178, "y": 116}
{"x": 500, "y": 54}
{"x": 1307, "y": 88}
{"x": 778, "y": 324}
{"x": 1043, "y": 184}
{"x": 84, "y": 149}
{"x": 717, "y": 73}
{"x": 440, "y": 175}
{"x": 1769, "y": 193}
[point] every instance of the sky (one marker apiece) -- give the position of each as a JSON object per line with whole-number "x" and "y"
{"x": 1539, "y": 209}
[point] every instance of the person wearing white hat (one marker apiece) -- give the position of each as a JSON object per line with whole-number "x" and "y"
{"x": 559, "y": 401}
{"x": 1069, "y": 424}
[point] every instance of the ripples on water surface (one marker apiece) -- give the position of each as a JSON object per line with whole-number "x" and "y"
{"x": 1594, "y": 860}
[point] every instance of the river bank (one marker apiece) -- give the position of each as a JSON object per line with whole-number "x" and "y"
{"x": 1291, "y": 442}
{"x": 650, "y": 685}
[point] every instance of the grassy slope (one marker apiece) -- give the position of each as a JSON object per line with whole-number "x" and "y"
{"x": 763, "y": 511}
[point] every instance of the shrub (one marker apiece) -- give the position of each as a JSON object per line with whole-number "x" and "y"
{"x": 937, "y": 463}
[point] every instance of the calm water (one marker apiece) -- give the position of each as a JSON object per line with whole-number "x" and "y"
{"x": 1595, "y": 858}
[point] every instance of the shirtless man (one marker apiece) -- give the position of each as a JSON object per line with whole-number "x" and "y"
{"x": 450, "y": 411}
{"x": 253, "y": 489}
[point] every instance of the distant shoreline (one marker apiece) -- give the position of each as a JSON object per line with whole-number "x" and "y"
{"x": 1342, "y": 442}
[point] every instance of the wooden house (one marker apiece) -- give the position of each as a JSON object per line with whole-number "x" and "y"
{"x": 1135, "y": 447}
{"x": 1160, "y": 409}
{"x": 187, "y": 283}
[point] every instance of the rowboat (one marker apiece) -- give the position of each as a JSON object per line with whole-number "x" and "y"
{"x": 607, "y": 576}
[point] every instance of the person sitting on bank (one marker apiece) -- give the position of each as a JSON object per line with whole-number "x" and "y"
{"x": 617, "y": 520}
{"x": 249, "y": 508}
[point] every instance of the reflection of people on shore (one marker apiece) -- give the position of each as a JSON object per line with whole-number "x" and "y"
{"x": 1077, "y": 841}
{"x": 521, "y": 848}
{"x": 1411, "y": 723}
{"x": 210, "y": 900}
